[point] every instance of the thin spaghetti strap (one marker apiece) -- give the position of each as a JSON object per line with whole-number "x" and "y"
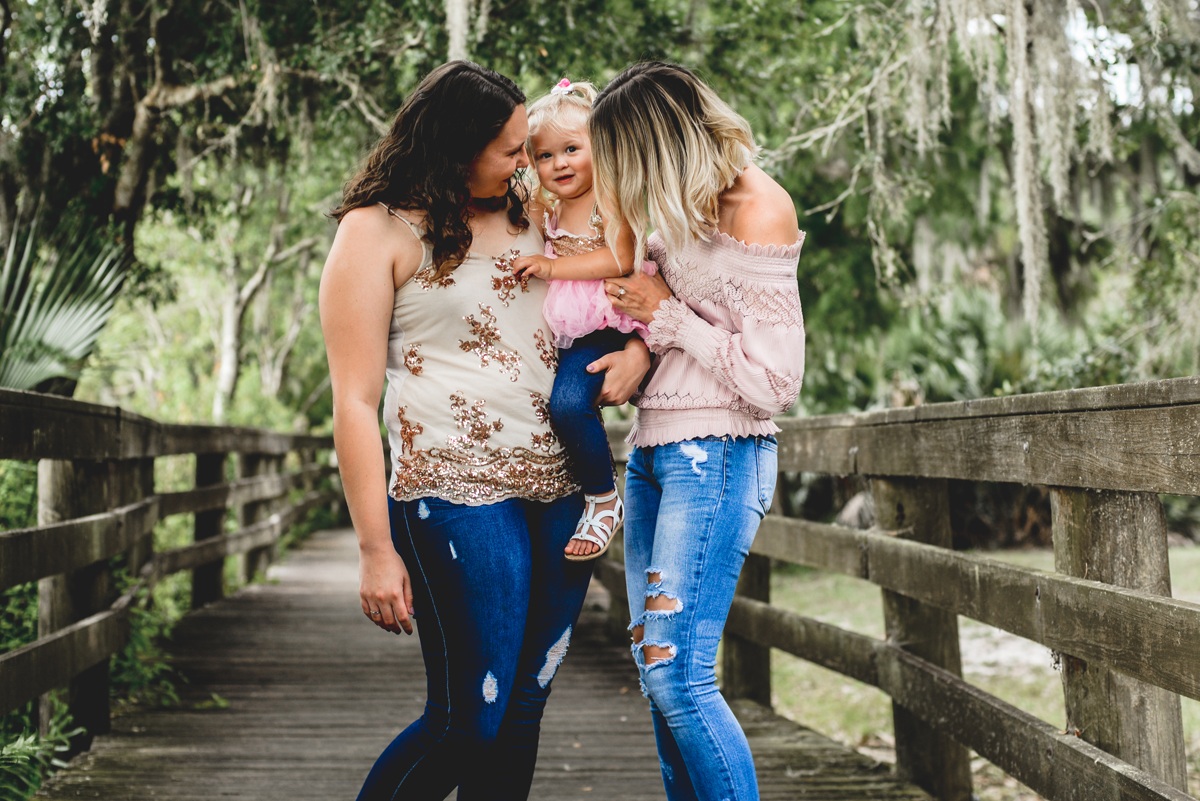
{"x": 411, "y": 225}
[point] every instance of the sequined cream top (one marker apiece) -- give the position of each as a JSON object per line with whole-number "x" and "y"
{"x": 470, "y": 367}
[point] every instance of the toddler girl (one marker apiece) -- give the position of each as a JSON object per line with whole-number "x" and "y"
{"x": 584, "y": 324}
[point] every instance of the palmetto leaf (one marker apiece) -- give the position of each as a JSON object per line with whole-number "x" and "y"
{"x": 59, "y": 291}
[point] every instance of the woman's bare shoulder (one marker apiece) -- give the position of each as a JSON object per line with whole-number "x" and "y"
{"x": 374, "y": 237}
{"x": 764, "y": 213}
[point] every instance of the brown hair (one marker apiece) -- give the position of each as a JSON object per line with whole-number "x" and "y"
{"x": 423, "y": 162}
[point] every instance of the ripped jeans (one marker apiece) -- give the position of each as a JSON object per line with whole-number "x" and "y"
{"x": 495, "y": 605}
{"x": 693, "y": 509}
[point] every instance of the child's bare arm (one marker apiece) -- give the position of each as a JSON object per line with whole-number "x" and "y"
{"x": 599, "y": 263}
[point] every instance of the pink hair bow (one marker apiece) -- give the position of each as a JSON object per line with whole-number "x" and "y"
{"x": 563, "y": 87}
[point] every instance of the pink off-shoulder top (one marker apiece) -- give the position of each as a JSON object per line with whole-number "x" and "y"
{"x": 730, "y": 342}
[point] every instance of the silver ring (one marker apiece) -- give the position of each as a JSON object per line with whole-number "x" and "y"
{"x": 375, "y": 614}
{"x": 620, "y": 291}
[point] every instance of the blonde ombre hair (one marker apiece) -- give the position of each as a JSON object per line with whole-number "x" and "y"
{"x": 664, "y": 148}
{"x": 560, "y": 111}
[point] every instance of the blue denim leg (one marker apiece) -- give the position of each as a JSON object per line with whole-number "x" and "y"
{"x": 575, "y": 413}
{"x": 477, "y": 574}
{"x": 693, "y": 509}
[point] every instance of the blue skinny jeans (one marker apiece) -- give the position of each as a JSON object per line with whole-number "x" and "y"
{"x": 495, "y": 605}
{"x": 693, "y": 509}
{"x": 575, "y": 412}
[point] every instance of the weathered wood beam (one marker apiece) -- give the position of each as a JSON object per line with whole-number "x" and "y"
{"x": 29, "y": 554}
{"x": 258, "y": 535}
{"x": 1153, "y": 638}
{"x": 1119, "y": 538}
{"x": 34, "y": 553}
{"x": 236, "y": 493}
{"x": 920, "y": 509}
{"x": 1055, "y": 764}
{"x": 36, "y": 426}
{"x": 1134, "y": 437}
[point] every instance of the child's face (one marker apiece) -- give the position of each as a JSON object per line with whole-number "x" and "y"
{"x": 563, "y": 160}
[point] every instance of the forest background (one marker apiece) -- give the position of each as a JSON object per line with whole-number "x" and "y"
{"x": 1000, "y": 196}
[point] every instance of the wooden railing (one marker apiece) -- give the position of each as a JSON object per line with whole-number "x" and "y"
{"x": 97, "y": 501}
{"x": 1127, "y": 649}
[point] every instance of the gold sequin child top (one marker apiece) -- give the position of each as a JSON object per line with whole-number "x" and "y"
{"x": 470, "y": 367}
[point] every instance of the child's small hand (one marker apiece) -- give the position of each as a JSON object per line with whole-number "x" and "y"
{"x": 527, "y": 267}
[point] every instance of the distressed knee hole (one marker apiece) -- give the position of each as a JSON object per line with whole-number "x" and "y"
{"x": 453, "y": 553}
{"x": 638, "y": 630}
{"x": 554, "y": 658}
{"x": 657, "y": 653}
{"x": 490, "y": 688}
{"x": 423, "y": 510}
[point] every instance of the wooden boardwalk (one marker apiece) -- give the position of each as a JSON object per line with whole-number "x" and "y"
{"x": 315, "y": 691}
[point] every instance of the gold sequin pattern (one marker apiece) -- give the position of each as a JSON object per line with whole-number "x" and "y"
{"x": 506, "y": 285}
{"x": 413, "y": 361}
{"x": 541, "y": 410}
{"x": 547, "y": 351}
{"x": 486, "y": 344}
{"x": 426, "y": 280}
{"x": 408, "y": 431}
{"x": 465, "y": 477}
{"x": 473, "y": 420}
{"x": 566, "y": 244}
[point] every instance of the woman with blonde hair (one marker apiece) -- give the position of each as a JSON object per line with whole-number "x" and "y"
{"x": 725, "y": 324}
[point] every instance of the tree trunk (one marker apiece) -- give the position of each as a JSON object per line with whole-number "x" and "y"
{"x": 458, "y": 24}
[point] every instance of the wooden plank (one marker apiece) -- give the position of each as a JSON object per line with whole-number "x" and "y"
{"x": 36, "y": 426}
{"x": 920, "y": 509}
{"x": 52, "y": 661}
{"x": 1119, "y": 538}
{"x": 830, "y": 647}
{"x": 830, "y": 547}
{"x": 29, "y": 554}
{"x": 745, "y": 665}
{"x": 1142, "y": 395}
{"x": 1149, "y": 637}
{"x": 258, "y": 535}
{"x": 208, "y": 580}
{"x": 1055, "y": 764}
{"x": 1154, "y": 449}
{"x": 235, "y": 493}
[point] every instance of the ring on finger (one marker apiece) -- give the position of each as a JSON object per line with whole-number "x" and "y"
{"x": 620, "y": 291}
{"x": 375, "y": 614}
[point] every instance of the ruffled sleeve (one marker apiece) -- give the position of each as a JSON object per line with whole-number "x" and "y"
{"x": 762, "y": 359}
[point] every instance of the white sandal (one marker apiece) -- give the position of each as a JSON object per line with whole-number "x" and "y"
{"x": 594, "y": 522}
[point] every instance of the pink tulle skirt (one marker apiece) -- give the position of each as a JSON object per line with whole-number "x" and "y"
{"x": 576, "y": 308}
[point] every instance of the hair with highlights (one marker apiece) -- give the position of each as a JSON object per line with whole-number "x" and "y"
{"x": 562, "y": 113}
{"x": 423, "y": 162}
{"x": 664, "y": 148}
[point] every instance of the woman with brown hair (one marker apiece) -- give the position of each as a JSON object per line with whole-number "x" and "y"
{"x": 467, "y": 536}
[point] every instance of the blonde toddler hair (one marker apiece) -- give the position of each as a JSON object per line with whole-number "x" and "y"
{"x": 664, "y": 148}
{"x": 564, "y": 109}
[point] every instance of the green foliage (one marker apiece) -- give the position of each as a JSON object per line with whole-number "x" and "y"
{"x": 58, "y": 292}
{"x": 25, "y": 757}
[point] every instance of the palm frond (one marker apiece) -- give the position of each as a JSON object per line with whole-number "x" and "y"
{"x": 59, "y": 291}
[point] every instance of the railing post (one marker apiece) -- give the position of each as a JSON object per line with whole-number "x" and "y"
{"x": 745, "y": 666}
{"x": 919, "y": 509}
{"x": 208, "y": 581}
{"x": 257, "y": 560}
{"x": 1118, "y": 538}
{"x": 66, "y": 490}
